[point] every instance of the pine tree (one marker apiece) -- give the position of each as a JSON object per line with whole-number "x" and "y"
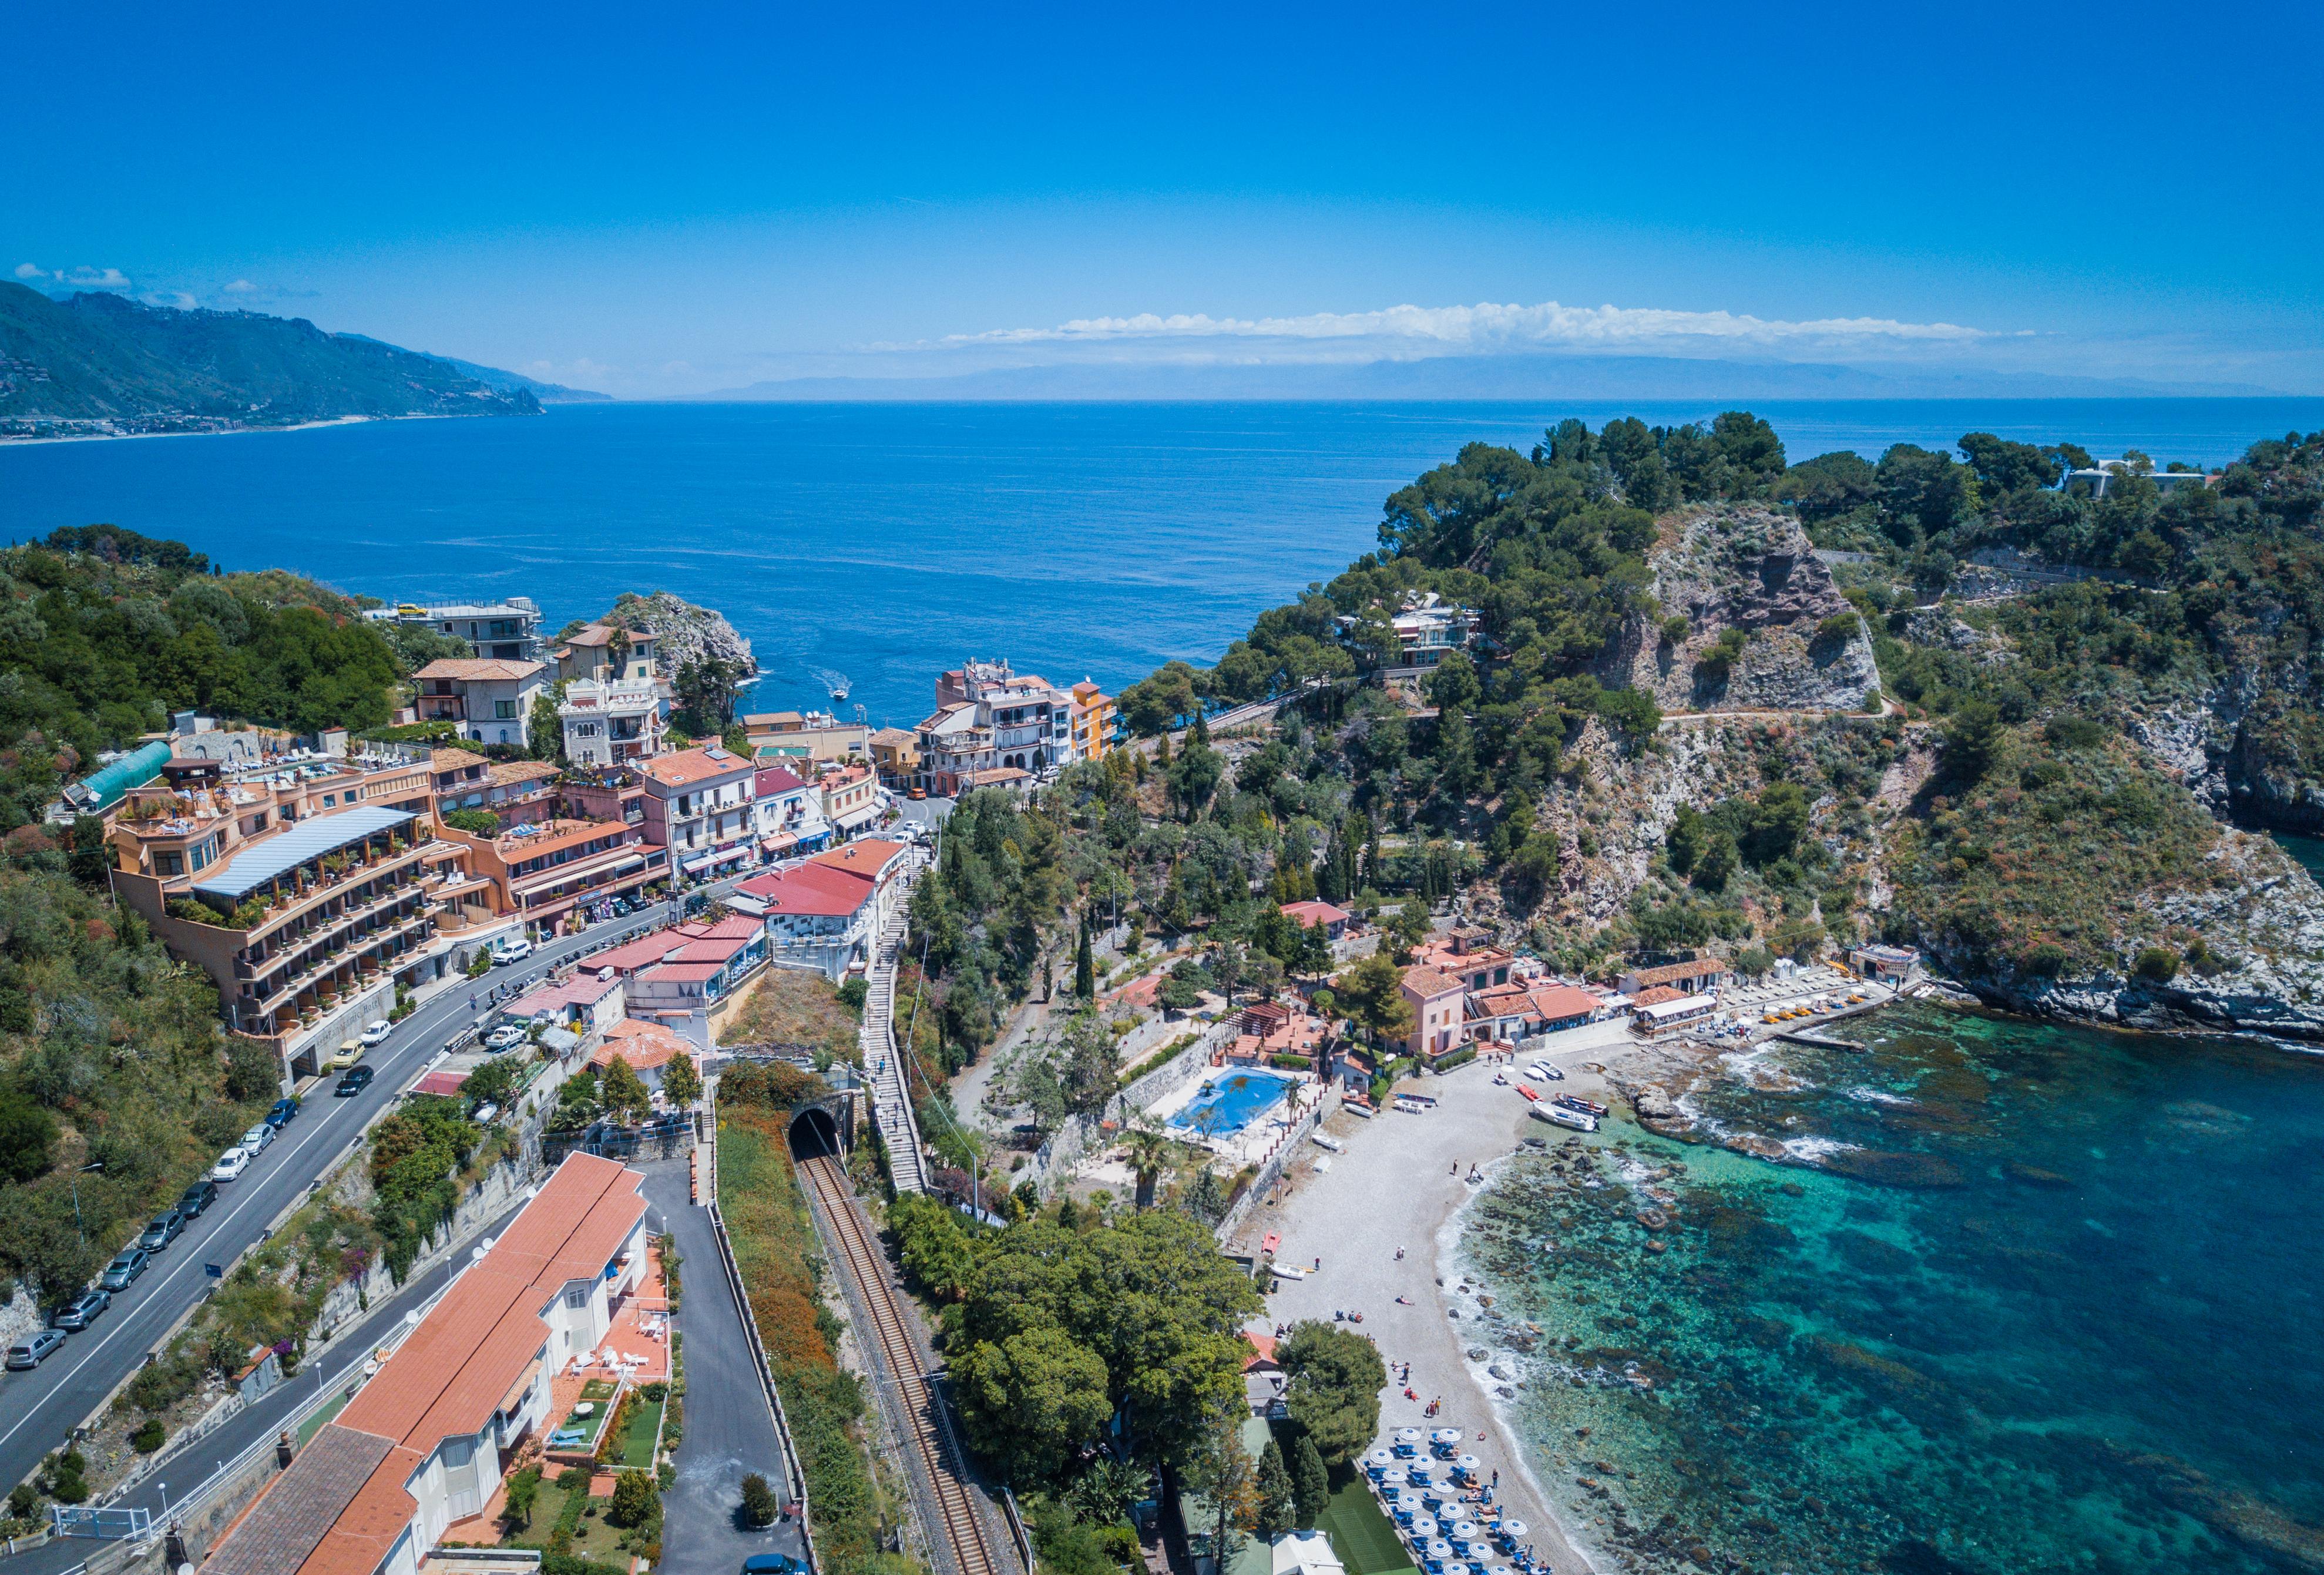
{"x": 1275, "y": 1506}
{"x": 1311, "y": 1483}
{"x": 1201, "y": 732}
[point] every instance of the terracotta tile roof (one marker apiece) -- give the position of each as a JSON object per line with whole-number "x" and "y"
{"x": 450, "y": 760}
{"x": 773, "y": 779}
{"x": 475, "y": 671}
{"x": 287, "y": 1522}
{"x": 867, "y": 857}
{"x": 441, "y": 1081}
{"x": 734, "y": 926}
{"x": 642, "y": 953}
{"x": 367, "y": 1529}
{"x": 681, "y": 972}
{"x": 1554, "y": 1001}
{"x": 583, "y": 989}
{"x": 1656, "y": 995}
{"x": 1312, "y": 913}
{"x": 894, "y": 738}
{"x": 594, "y": 634}
{"x": 814, "y": 890}
{"x": 644, "y": 1045}
{"x": 1672, "y": 973}
{"x": 687, "y": 767}
{"x": 511, "y": 771}
{"x": 1426, "y": 982}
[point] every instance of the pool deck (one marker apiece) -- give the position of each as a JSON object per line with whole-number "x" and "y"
{"x": 1248, "y": 1144}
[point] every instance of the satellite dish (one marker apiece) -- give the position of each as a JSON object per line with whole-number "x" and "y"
{"x": 411, "y": 1319}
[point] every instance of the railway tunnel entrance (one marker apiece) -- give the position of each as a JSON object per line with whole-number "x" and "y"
{"x": 814, "y": 1133}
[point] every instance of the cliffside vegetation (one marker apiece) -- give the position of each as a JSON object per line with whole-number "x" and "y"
{"x": 101, "y": 357}
{"x": 104, "y": 632}
{"x": 2160, "y": 642}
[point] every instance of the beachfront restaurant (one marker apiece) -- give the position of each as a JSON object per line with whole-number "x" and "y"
{"x": 1667, "y": 1016}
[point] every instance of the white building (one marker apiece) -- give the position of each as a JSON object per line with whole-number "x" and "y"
{"x": 988, "y": 717}
{"x": 507, "y": 630}
{"x": 424, "y": 1443}
{"x": 611, "y": 722}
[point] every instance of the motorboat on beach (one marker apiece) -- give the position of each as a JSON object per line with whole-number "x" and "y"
{"x": 1559, "y": 1116}
{"x": 1576, "y": 1102}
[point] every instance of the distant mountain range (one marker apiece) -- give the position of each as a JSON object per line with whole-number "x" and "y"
{"x": 1479, "y": 377}
{"x": 98, "y": 364}
{"x": 547, "y": 393}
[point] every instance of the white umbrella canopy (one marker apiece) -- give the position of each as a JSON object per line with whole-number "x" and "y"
{"x": 1407, "y": 1435}
{"x": 1378, "y": 1457}
{"x": 1470, "y": 1463}
{"x": 1465, "y": 1531}
{"x": 1446, "y": 1435}
{"x": 1440, "y": 1549}
{"x": 1512, "y": 1529}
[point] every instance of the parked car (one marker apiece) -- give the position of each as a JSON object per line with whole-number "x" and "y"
{"x": 35, "y": 1348}
{"x": 348, "y": 1054}
{"x": 257, "y": 1139}
{"x": 162, "y": 1231}
{"x": 196, "y": 1198}
{"x": 376, "y": 1032}
{"x": 770, "y": 1564}
{"x": 82, "y": 1310}
{"x": 353, "y": 1082}
{"x": 125, "y": 1267}
{"x": 283, "y": 1113}
{"x": 505, "y": 1037}
{"x": 511, "y": 949}
{"x": 230, "y": 1164}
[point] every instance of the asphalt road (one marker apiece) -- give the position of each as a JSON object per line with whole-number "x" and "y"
{"x": 730, "y": 1432}
{"x": 40, "y": 1409}
{"x": 260, "y": 1422}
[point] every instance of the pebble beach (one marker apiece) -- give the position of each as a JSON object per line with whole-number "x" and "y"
{"x": 1399, "y": 1184}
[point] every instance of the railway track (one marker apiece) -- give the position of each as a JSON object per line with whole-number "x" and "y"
{"x": 948, "y": 1482}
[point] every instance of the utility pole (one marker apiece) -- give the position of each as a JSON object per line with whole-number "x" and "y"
{"x": 84, "y": 1170}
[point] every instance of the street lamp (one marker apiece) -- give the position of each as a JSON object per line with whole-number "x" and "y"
{"x": 84, "y": 1170}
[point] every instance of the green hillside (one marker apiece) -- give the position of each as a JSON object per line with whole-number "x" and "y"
{"x": 98, "y": 358}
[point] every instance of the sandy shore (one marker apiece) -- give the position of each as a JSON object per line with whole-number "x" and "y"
{"x": 1398, "y": 1185}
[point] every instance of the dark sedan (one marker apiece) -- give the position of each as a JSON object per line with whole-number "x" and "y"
{"x": 353, "y": 1082}
{"x": 162, "y": 1231}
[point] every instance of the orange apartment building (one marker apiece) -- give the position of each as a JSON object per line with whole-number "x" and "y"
{"x": 306, "y": 886}
{"x": 540, "y": 873}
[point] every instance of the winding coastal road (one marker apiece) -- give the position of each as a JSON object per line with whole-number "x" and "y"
{"x": 40, "y": 1409}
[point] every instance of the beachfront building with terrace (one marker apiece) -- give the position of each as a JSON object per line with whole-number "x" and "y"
{"x": 1438, "y": 1026}
{"x": 306, "y": 890}
{"x": 1506, "y": 1014}
{"x": 698, "y": 808}
{"x": 678, "y": 976}
{"x": 852, "y": 801}
{"x": 567, "y": 1296}
{"x": 489, "y": 700}
{"x": 1700, "y": 976}
{"x": 611, "y": 722}
{"x": 813, "y": 736}
{"x": 542, "y": 874}
{"x": 826, "y": 912}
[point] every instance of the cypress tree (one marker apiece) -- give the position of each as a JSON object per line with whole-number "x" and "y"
{"x": 1084, "y": 964}
{"x": 1311, "y": 1483}
{"x": 1274, "y": 1486}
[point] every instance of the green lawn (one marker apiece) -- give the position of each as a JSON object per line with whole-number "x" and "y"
{"x": 598, "y": 1389}
{"x": 1364, "y": 1538}
{"x": 315, "y": 1423}
{"x": 645, "y": 1422}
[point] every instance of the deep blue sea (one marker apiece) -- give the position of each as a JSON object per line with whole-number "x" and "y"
{"x": 886, "y": 542}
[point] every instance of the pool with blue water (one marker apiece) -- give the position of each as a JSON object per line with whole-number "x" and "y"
{"x": 1232, "y": 1101}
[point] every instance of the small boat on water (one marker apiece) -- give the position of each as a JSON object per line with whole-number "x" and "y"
{"x": 1558, "y": 1115}
{"x": 1576, "y": 1102}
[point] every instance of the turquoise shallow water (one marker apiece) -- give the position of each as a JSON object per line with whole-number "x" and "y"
{"x": 2051, "y": 1299}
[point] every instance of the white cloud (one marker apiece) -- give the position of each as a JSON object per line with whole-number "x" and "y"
{"x": 1484, "y": 330}
{"x": 240, "y": 287}
{"x": 169, "y": 298}
{"x": 30, "y": 270}
{"x": 87, "y": 278}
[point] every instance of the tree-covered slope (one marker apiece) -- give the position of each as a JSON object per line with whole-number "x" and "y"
{"x": 99, "y": 358}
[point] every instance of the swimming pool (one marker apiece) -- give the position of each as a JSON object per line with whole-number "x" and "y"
{"x": 1232, "y": 1101}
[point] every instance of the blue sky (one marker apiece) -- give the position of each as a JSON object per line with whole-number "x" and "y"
{"x": 669, "y": 200}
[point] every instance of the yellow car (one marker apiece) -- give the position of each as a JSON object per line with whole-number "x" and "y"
{"x": 349, "y": 1054}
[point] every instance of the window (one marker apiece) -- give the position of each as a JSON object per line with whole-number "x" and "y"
{"x": 331, "y": 800}
{"x": 504, "y": 710}
{"x": 204, "y": 852}
{"x": 577, "y": 1297}
{"x": 169, "y": 864}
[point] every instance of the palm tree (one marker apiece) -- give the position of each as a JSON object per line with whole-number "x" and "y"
{"x": 1150, "y": 1156}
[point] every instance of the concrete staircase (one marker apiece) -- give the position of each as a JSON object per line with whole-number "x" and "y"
{"x": 892, "y": 1099}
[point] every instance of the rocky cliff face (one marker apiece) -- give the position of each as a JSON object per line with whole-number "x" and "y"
{"x": 1748, "y": 569}
{"x": 2268, "y": 975}
{"x": 687, "y": 632}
